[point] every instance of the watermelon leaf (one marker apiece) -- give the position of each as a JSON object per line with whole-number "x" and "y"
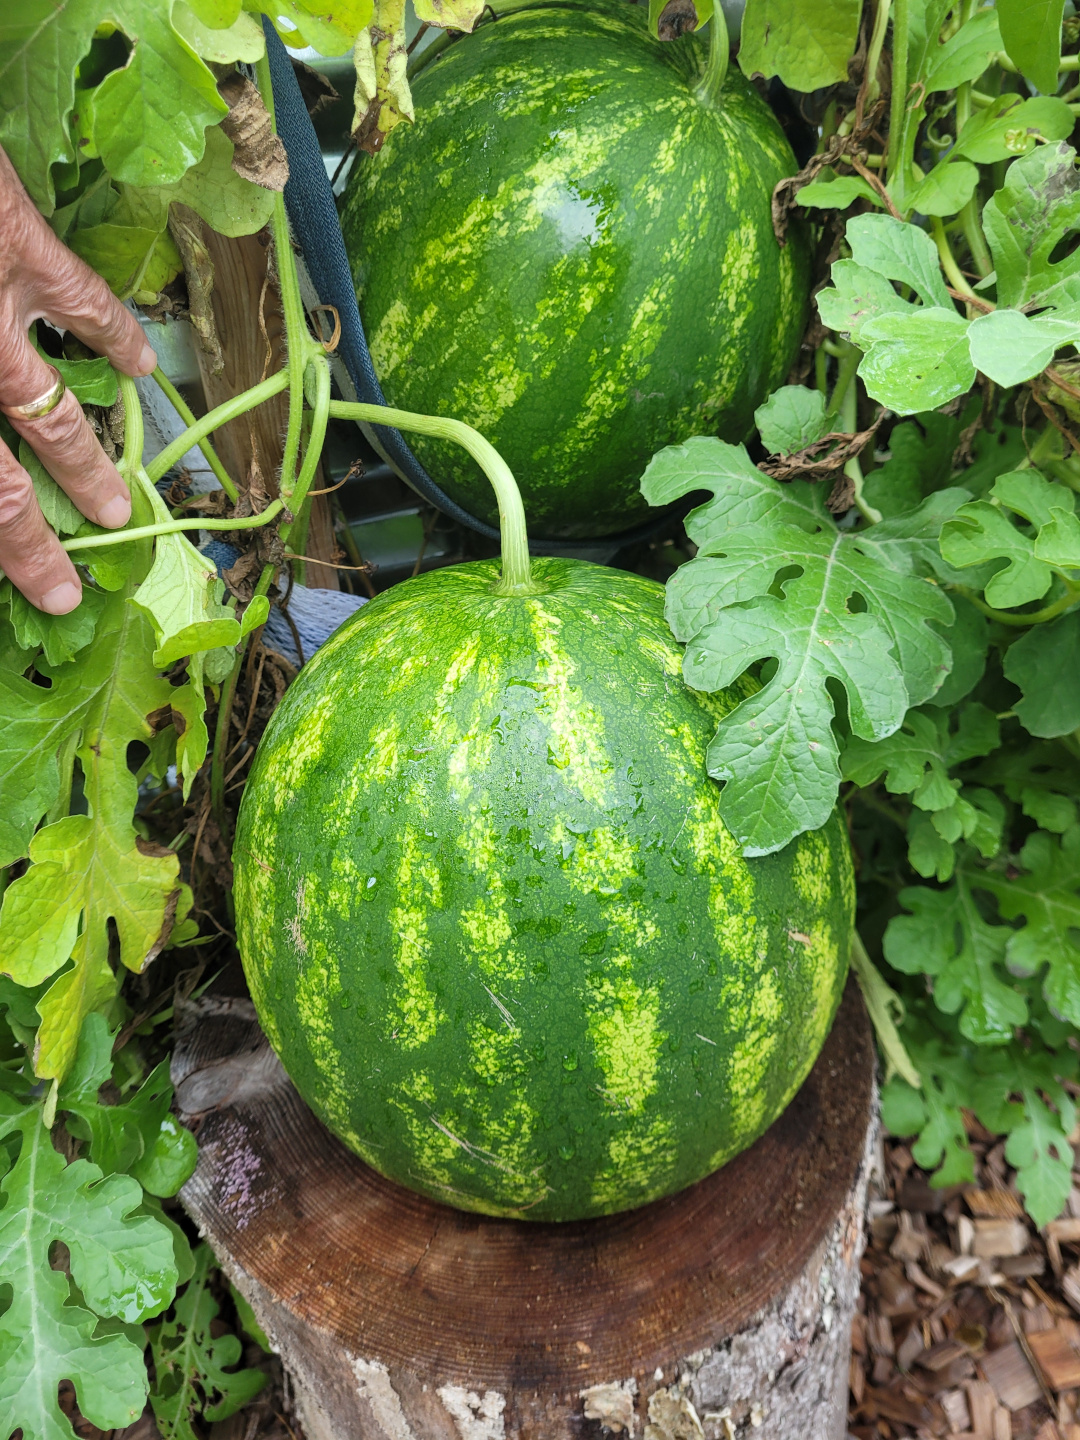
{"x": 966, "y": 54}
{"x": 945, "y": 935}
{"x": 41, "y": 45}
{"x": 383, "y": 97}
{"x": 194, "y": 1370}
{"x": 141, "y": 1136}
{"x": 984, "y": 531}
{"x": 1047, "y": 897}
{"x": 838, "y": 193}
{"x": 1038, "y": 1124}
{"x": 933, "y": 1114}
{"x": 808, "y": 45}
{"x": 775, "y": 579}
{"x": 1043, "y": 664}
{"x": 1031, "y": 34}
{"x": 1025, "y": 222}
{"x": 916, "y": 760}
{"x": 86, "y": 1328}
{"x": 792, "y": 418}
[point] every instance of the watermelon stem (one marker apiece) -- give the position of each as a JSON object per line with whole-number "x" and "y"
{"x": 716, "y": 67}
{"x": 516, "y": 576}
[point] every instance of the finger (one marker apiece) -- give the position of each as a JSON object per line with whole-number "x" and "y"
{"x": 69, "y": 450}
{"x": 72, "y": 297}
{"x": 30, "y": 554}
{"x": 63, "y": 289}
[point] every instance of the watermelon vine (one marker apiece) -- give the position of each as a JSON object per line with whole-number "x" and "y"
{"x": 888, "y": 567}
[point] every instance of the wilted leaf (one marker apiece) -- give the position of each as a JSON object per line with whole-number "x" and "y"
{"x": 382, "y": 98}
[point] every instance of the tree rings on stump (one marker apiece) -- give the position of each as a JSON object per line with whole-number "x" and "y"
{"x": 724, "y": 1311}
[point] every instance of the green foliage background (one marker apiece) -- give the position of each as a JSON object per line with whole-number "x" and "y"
{"x": 905, "y": 584}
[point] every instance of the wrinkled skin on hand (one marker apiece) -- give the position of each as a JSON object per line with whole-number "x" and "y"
{"x": 41, "y": 279}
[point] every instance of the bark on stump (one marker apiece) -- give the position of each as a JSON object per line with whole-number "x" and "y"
{"x": 721, "y": 1312}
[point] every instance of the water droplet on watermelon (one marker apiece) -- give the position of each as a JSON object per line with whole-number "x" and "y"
{"x": 569, "y": 1061}
{"x": 345, "y": 999}
{"x": 566, "y": 1152}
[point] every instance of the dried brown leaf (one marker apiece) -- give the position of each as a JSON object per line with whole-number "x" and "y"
{"x": 258, "y": 154}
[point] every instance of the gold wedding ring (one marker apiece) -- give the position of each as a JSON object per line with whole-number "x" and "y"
{"x": 43, "y": 405}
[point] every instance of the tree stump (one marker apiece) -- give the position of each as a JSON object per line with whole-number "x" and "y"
{"x": 721, "y": 1312}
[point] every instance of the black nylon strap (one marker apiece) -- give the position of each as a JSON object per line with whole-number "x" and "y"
{"x": 313, "y": 216}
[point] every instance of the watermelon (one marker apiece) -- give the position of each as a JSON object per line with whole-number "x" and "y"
{"x": 572, "y": 250}
{"x": 492, "y": 921}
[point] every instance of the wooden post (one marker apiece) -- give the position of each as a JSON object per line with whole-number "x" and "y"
{"x": 721, "y": 1312}
{"x": 251, "y": 328}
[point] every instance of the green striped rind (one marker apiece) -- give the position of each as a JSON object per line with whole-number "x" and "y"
{"x": 492, "y": 920}
{"x": 573, "y": 254}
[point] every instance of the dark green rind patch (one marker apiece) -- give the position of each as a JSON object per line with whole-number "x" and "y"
{"x": 573, "y": 254}
{"x": 491, "y": 919}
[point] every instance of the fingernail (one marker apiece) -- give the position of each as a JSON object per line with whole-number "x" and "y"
{"x": 147, "y": 360}
{"x": 61, "y": 598}
{"x": 115, "y": 512}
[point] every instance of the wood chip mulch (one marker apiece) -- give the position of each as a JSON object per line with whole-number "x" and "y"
{"x": 969, "y": 1318}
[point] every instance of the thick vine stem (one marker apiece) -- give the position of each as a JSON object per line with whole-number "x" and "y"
{"x": 134, "y": 430}
{"x": 948, "y": 261}
{"x": 882, "y": 1004}
{"x": 320, "y": 414}
{"x": 716, "y": 67}
{"x": 516, "y": 572}
{"x": 179, "y": 404}
{"x": 229, "y": 410}
{"x": 897, "y": 159}
{"x": 171, "y": 527}
{"x": 849, "y": 420}
{"x": 298, "y": 346}
{"x": 877, "y": 43}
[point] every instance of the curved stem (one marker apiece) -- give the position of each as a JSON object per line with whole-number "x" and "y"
{"x": 171, "y": 527}
{"x": 716, "y": 67}
{"x": 179, "y": 404}
{"x": 1035, "y": 617}
{"x": 849, "y": 363}
{"x": 320, "y": 415}
{"x": 229, "y": 410}
{"x": 516, "y": 573}
{"x": 849, "y": 420}
{"x": 948, "y": 260}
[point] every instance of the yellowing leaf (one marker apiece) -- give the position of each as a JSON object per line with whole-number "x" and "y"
{"x": 150, "y": 118}
{"x": 382, "y": 96}
{"x": 449, "y": 14}
{"x": 331, "y": 29}
{"x": 85, "y": 871}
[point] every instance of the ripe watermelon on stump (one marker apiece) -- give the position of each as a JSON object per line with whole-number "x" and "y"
{"x": 573, "y": 251}
{"x": 491, "y": 919}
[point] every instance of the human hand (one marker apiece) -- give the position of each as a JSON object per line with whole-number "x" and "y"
{"x": 41, "y": 279}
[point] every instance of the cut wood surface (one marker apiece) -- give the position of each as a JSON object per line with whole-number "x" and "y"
{"x": 719, "y": 1312}
{"x": 250, "y": 326}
